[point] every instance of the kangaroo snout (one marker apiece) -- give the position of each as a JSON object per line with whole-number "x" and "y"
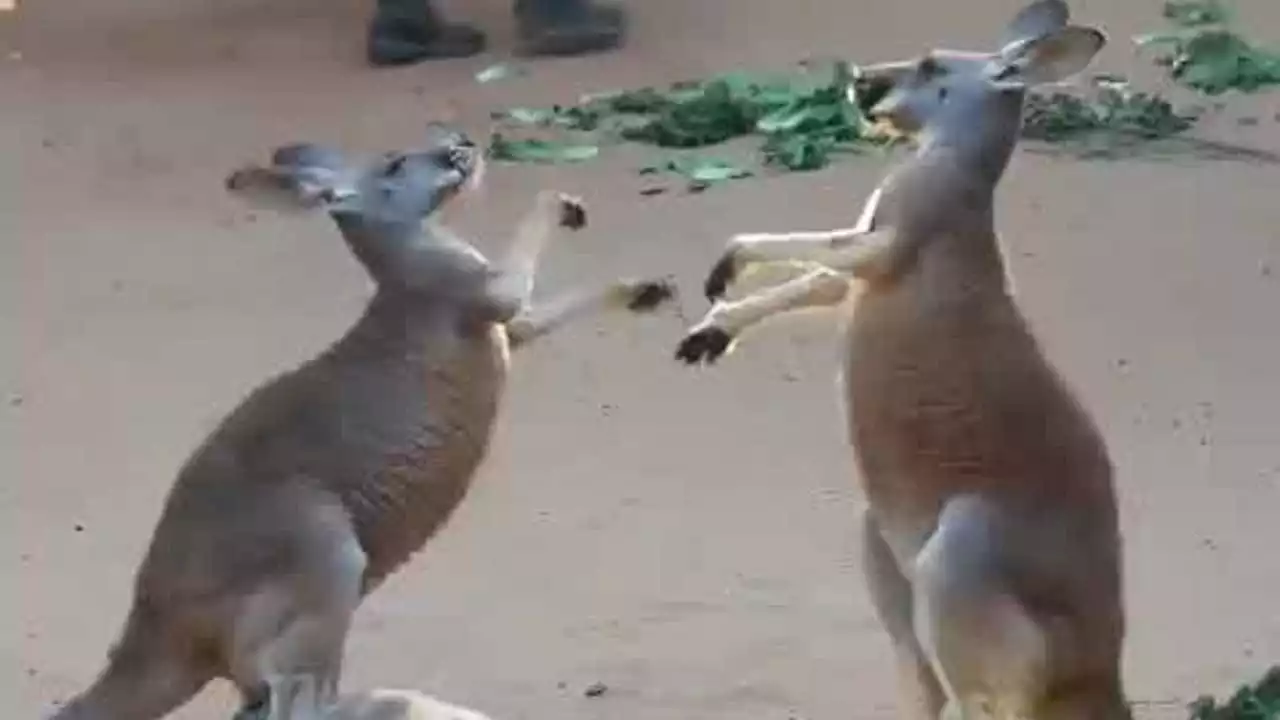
{"x": 869, "y": 91}
{"x": 873, "y": 83}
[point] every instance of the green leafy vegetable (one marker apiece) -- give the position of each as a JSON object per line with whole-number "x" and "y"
{"x": 1111, "y": 107}
{"x": 533, "y": 150}
{"x": 498, "y": 71}
{"x": 700, "y": 172}
{"x": 804, "y": 120}
{"x": 1204, "y": 54}
{"x": 1260, "y": 701}
{"x": 801, "y": 121}
{"x": 526, "y": 116}
{"x": 1194, "y": 13}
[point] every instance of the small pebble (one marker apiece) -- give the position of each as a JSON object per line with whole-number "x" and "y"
{"x": 596, "y": 690}
{"x": 79, "y": 527}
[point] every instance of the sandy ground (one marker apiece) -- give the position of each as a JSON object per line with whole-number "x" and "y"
{"x": 687, "y": 538}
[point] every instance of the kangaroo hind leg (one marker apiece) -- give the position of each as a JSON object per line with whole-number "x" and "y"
{"x": 989, "y": 653}
{"x": 290, "y": 632}
{"x": 891, "y": 596}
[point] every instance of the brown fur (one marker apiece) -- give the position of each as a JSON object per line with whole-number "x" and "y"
{"x": 329, "y": 477}
{"x": 992, "y": 547}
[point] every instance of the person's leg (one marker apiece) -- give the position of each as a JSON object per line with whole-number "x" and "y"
{"x": 568, "y": 27}
{"x": 408, "y": 31}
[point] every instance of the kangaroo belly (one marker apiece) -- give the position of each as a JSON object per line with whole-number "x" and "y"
{"x": 410, "y": 474}
{"x": 947, "y": 400}
{"x": 394, "y": 432}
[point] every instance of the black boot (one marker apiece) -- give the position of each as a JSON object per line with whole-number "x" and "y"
{"x": 408, "y": 31}
{"x": 568, "y": 27}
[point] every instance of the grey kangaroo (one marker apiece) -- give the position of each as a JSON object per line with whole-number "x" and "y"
{"x": 329, "y": 477}
{"x": 992, "y": 543}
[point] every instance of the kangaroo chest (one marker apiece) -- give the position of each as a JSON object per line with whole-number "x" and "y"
{"x": 415, "y": 431}
{"x": 943, "y": 398}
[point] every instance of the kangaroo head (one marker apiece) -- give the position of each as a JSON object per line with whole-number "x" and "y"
{"x": 379, "y": 205}
{"x": 394, "y": 189}
{"x": 953, "y": 95}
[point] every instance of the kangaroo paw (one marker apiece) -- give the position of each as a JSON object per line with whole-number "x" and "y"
{"x": 722, "y": 275}
{"x": 704, "y": 346}
{"x": 573, "y": 213}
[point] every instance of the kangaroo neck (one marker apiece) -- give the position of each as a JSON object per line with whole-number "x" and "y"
{"x": 946, "y": 210}
{"x": 982, "y": 149}
{"x": 395, "y": 325}
{"x": 384, "y": 247}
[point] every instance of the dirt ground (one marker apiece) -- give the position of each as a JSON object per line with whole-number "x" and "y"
{"x": 686, "y": 538}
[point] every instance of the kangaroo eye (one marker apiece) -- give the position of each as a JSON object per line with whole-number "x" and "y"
{"x": 396, "y": 165}
{"x": 929, "y": 67}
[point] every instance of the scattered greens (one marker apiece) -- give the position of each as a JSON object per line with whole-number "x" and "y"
{"x": 533, "y": 150}
{"x": 700, "y": 172}
{"x": 1107, "y": 119}
{"x": 801, "y": 121}
{"x": 1203, "y": 53}
{"x": 1196, "y": 13}
{"x": 1111, "y": 107}
{"x": 498, "y": 71}
{"x": 1260, "y": 701}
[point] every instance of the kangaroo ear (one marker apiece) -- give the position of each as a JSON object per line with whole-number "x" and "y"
{"x": 301, "y": 177}
{"x": 309, "y": 155}
{"x": 1037, "y": 20}
{"x": 288, "y": 189}
{"x": 1047, "y": 59}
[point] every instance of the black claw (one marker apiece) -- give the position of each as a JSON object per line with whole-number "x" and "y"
{"x": 573, "y": 214}
{"x": 724, "y": 272}
{"x": 704, "y": 346}
{"x": 651, "y": 294}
